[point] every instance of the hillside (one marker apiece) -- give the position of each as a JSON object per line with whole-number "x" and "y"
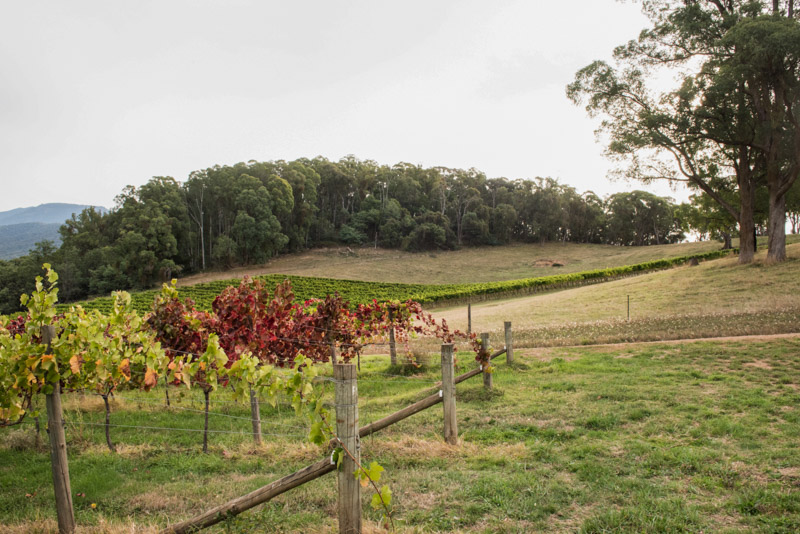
{"x": 715, "y": 298}
{"x": 362, "y": 292}
{"x": 469, "y": 265}
{"x": 22, "y": 228}
{"x": 17, "y": 239}
{"x": 43, "y": 213}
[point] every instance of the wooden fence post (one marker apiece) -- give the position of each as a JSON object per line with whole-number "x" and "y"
{"x": 509, "y": 343}
{"x": 487, "y": 376}
{"x": 331, "y": 341}
{"x": 255, "y": 414}
{"x": 449, "y": 395}
{"x": 58, "y": 450}
{"x": 392, "y": 342}
{"x": 347, "y": 432}
{"x": 469, "y": 318}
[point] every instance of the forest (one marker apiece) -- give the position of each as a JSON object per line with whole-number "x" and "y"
{"x": 250, "y": 212}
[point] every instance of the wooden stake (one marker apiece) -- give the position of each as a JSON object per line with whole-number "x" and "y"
{"x": 509, "y": 343}
{"x": 449, "y": 395}
{"x": 206, "y": 393}
{"x": 469, "y": 318}
{"x": 58, "y": 450}
{"x": 392, "y": 342}
{"x": 487, "y": 376}
{"x": 347, "y": 431}
{"x": 332, "y": 342}
{"x": 255, "y": 414}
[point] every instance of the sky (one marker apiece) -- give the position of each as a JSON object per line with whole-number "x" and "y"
{"x": 97, "y": 95}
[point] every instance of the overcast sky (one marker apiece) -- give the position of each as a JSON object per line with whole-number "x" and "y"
{"x": 96, "y": 95}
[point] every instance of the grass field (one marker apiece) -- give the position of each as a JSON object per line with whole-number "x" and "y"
{"x": 716, "y": 298}
{"x": 650, "y": 437}
{"x": 647, "y": 438}
{"x": 466, "y": 266}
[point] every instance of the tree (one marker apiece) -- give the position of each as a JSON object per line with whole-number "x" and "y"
{"x": 704, "y": 216}
{"x": 766, "y": 64}
{"x": 793, "y": 206}
{"x": 710, "y": 127}
{"x": 641, "y": 218}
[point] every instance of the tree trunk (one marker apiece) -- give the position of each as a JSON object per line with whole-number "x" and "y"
{"x": 747, "y": 228}
{"x": 108, "y": 423}
{"x": 727, "y": 245}
{"x": 776, "y": 249}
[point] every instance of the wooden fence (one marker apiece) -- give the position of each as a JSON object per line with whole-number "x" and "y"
{"x": 346, "y": 401}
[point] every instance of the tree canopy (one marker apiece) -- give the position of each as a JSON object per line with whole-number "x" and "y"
{"x": 249, "y": 212}
{"x": 731, "y": 122}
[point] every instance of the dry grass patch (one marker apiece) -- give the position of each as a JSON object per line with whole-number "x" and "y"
{"x": 759, "y": 364}
{"x": 157, "y": 501}
{"x": 749, "y": 472}
{"x": 104, "y": 526}
{"x": 411, "y": 447}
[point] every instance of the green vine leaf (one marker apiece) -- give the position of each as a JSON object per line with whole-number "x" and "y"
{"x": 382, "y": 499}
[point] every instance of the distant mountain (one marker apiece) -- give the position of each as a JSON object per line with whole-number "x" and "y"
{"x": 17, "y": 239}
{"x": 22, "y": 228}
{"x": 43, "y": 213}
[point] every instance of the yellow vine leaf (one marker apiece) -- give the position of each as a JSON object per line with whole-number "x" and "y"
{"x": 75, "y": 364}
{"x": 150, "y": 378}
{"x": 125, "y": 368}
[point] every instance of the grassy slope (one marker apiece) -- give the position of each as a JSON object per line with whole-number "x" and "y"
{"x": 486, "y": 264}
{"x": 682, "y": 302}
{"x": 645, "y": 438}
{"x": 648, "y": 438}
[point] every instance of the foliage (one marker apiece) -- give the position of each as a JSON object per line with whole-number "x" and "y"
{"x": 730, "y": 124}
{"x": 91, "y": 350}
{"x": 250, "y": 212}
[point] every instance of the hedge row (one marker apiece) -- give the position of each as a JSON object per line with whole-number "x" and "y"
{"x": 361, "y": 292}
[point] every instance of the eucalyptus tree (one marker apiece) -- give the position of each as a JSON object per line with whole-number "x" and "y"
{"x": 731, "y": 121}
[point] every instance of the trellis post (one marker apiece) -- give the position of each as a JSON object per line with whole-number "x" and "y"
{"x": 347, "y": 431}
{"x": 392, "y": 342}
{"x": 487, "y": 376}
{"x": 58, "y": 449}
{"x": 509, "y": 343}
{"x": 255, "y": 415}
{"x": 449, "y": 395}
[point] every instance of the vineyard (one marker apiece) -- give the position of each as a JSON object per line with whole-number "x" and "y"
{"x": 358, "y": 292}
{"x": 255, "y": 342}
{"x": 143, "y": 395}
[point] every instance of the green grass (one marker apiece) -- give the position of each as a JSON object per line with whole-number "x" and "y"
{"x": 643, "y": 438}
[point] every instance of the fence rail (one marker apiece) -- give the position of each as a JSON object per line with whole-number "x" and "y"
{"x": 326, "y": 465}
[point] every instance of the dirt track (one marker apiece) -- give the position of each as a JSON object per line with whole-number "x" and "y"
{"x": 538, "y": 351}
